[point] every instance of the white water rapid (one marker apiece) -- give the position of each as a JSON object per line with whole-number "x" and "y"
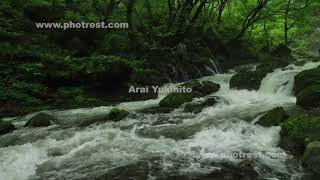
{"x": 175, "y": 143}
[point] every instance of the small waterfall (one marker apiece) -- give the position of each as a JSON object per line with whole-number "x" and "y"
{"x": 281, "y": 81}
{"x": 215, "y": 65}
{"x": 210, "y": 70}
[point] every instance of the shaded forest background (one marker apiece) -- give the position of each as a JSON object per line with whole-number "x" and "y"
{"x": 167, "y": 41}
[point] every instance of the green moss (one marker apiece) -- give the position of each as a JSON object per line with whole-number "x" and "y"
{"x": 273, "y": 117}
{"x": 311, "y": 157}
{"x": 69, "y": 92}
{"x": 297, "y": 129}
{"x": 117, "y": 114}
{"x": 305, "y": 79}
{"x": 198, "y": 107}
{"x": 174, "y": 100}
{"x": 6, "y": 127}
{"x": 309, "y": 97}
{"x": 41, "y": 120}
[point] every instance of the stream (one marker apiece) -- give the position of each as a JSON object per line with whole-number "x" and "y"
{"x": 161, "y": 146}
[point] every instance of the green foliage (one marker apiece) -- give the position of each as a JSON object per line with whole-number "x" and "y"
{"x": 69, "y": 92}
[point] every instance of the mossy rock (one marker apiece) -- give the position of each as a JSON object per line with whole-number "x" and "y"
{"x": 305, "y": 79}
{"x": 199, "y": 89}
{"x": 309, "y": 97}
{"x": 174, "y": 100}
{"x": 198, "y": 107}
{"x": 297, "y": 129}
{"x": 117, "y": 114}
{"x": 6, "y": 127}
{"x": 273, "y": 117}
{"x": 251, "y": 80}
{"x": 311, "y": 157}
{"x": 41, "y": 120}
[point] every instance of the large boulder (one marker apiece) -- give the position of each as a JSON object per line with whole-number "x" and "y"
{"x": 41, "y": 120}
{"x": 305, "y": 79}
{"x": 273, "y": 117}
{"x": 250, "y": 80}
{"x": 298, "y": 129}
{"x": 199, "y": 89}
{"x": 174, "y": 100}
{"x": 6, "y": 127}
{"x": 311, "y": 157}
{"x": 198, "y": 107}
{"x": 309, "y": 97}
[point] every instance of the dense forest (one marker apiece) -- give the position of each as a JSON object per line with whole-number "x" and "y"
{"x": 52, "y": 68}
{"x": 253, "y": 67}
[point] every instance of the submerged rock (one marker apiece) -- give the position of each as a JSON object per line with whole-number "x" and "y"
{"x": 115, "y": 114}
{"x": 299, "y": 128}
{"x": 197, "y": 107}
{"x": 311, "y": 157}
{"x": 309, "y": 97}
{"x": 273, "y": 117}
{"x": 41, "y": 120}
{"x": 305, "y": 79}
{"x": 6, "y": 127}
{"x": 199, "y": 89}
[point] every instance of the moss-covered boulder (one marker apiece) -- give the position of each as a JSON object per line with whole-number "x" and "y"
{"x": 273, "y": 117}
{"x": 41, "y": 120}
{"x": 311, "y": 157}
{"x": 6, "y": 127}
{"x": 251, "y": 80}
{"x": 309, "y": 97}
{"x": 208, "y": 87}
{"x": 117, "y": 114}
{"x": 198, "y": 107}
{"x": 297, "y": 129}
{"x": 174, "y": 100}
{"x": 305, "y": 79}
{"x": 199, "y": 89}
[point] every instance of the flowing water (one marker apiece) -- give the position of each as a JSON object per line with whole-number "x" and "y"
{"x": 175, "y": 143}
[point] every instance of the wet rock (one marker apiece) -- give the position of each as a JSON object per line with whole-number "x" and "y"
{"x": 6, "y": 127}
{"x": 309, "y": 97}
{"x": 199, "y": 89}
{"x": 41, "y": 120}
{"x": 311, "y": 157}
{"x": 115, "y": 115}
{"x": 251, "y": 80}
{"x": 305, "y": 79}
{"x": 273, "y": 117}
{"x": 197, "y": 107}
{"x": 174, "y": 100}
{"x": 208, "y": 87}
{"x": 297, "y": 129}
